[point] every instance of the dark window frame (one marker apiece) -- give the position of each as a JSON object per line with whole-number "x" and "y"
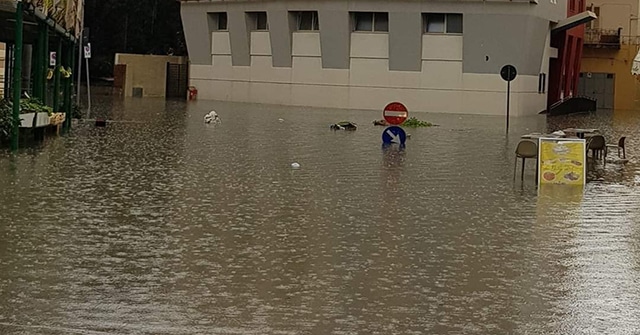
{"x": 303, "y": 16}
{"x": 220, "y": 21}
{"x": 379, "y": 22}
{"x": 258, "y": 20}
{"x": 449, "y": 23}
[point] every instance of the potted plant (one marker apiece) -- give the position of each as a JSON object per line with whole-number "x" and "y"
{"x": 34, "y": 114}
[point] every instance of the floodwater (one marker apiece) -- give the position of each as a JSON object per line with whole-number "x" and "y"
{"x": 161, "y": 224}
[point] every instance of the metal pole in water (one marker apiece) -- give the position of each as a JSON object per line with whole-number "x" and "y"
{"x": 88, "y": 88}
{"x": 79, "y": 76}
{"x": 508, "y": 94}
{"x": 17, "y": 76}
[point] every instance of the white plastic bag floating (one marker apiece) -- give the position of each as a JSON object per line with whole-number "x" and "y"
{"x": 212, "y": 116}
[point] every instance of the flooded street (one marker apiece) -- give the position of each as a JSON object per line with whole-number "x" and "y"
{"x": 161, "y": 224}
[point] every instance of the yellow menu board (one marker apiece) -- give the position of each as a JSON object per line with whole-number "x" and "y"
{"x": 562, "y": 161}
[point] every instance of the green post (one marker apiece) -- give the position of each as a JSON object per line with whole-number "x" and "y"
{"x": 45, "y": 64}
{"x": 56, "y": 78}
{"x": 39, "y": 64}
{"x": 68, "y": 62}
{"x": 17, "y": 76}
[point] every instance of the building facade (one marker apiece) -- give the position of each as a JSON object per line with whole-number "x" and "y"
{"x": 434, "y": 56}
{"x": 611, "y": 43}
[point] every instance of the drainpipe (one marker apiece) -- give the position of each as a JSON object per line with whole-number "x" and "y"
{"x": 17, "y": 76}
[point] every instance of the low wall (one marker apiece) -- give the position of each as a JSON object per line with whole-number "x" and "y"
{"x": 147, "y": 72}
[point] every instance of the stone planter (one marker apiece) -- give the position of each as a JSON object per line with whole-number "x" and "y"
{"x": 30, "y": 120}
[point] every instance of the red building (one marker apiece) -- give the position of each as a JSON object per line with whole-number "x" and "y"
{"x": 565, "y": 69}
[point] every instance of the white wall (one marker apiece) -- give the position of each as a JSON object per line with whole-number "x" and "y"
{"x": 368, "y": 84}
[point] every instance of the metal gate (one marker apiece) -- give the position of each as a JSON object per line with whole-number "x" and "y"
{"x": 599, "y": 86}
{"x": 177, "y": 81}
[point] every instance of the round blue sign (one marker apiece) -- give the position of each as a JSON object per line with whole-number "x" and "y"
{"x": 394, "y": 134}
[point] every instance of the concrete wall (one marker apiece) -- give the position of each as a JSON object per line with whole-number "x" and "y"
{"x": 617, "y": 62}
{"x": 439, "y": 86}
{"x": 147, "y": 72}
{"x": 335, "y": 67}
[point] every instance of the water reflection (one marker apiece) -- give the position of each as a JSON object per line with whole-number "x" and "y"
{"x": 161, "y": 224}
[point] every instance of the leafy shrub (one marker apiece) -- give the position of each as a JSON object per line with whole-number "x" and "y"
{"x": 34, "y": 105}
{"x": 413, "y": 122}
{"x": 6, "y": 120}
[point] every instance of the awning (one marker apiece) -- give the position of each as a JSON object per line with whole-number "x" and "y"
{"x": 574, "y": 21}
{"x": 635, "y": 68}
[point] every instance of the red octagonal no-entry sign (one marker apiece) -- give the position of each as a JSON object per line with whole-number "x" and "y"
{"x": 395, "y": 113}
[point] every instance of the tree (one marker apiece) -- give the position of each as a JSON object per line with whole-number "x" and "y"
{"x": 128, "y": 26}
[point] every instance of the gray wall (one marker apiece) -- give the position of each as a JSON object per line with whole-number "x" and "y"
{"x": 335, "y": 38}
{"x": 506, "y": 32}
{"x": 195, "y": 22}
{"x": 280, "y": 35}
{"x": 488, "y": 44}
{"x": 239, "y": 37}
{"x": 405, "y": 41}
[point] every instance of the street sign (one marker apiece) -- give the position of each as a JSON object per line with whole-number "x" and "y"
{"x": 395, "y": 113}
{"x": 508, "y": 72}
{"x": 87, "y": 51}
{"x": 52, "y": 58}
{"x": 394, "y": 134}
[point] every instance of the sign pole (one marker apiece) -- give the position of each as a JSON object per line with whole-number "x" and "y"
{"x": 508, "y": 95}
{"x": 508, "y": 73}
{"x": 87, "y": 55}
{"x": 79, "y": 76}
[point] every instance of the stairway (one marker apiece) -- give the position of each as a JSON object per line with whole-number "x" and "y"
{"x": 571, "y": 105}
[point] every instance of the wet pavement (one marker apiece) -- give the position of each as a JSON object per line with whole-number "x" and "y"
{"x": 161, "y": 224}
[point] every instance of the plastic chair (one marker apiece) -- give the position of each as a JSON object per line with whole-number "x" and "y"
{"x": 619, "y": 146}
{"x": 598, "y": 146}
{"x": 525, "y": 149}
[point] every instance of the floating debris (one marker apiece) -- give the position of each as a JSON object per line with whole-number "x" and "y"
{"x": 212, "y": 116}
{"x": 344, "y": 125}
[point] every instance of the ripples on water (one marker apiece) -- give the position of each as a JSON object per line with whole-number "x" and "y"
{"x": 161, "y": 224}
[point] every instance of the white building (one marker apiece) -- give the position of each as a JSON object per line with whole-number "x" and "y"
{"x": 436, "y": 56}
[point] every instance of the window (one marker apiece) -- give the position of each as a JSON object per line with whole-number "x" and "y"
{"x": 307, "y": 20}
{"x": 258, "y": 21}
{"x": 442, "y": 23}
{"x": 218, "y": 21}
{"x": 542, "y": 82}
{"x": 368, "y": 21}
